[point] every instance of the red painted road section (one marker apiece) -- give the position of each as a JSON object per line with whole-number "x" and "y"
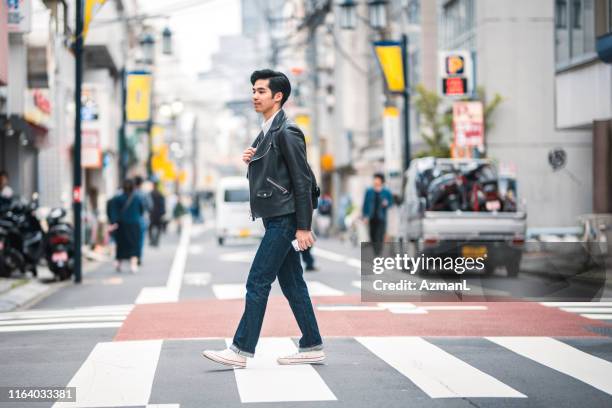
{"x": 219, "y": 318}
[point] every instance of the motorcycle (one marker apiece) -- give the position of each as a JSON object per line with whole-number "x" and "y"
{"x": 59, "y": 248}
{"x": 22, "y": 239}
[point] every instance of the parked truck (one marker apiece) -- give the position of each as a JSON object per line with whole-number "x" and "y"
{"x": 463, "y": 207}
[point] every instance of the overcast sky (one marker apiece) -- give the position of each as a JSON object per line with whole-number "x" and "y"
{"x": 196, "y": 26}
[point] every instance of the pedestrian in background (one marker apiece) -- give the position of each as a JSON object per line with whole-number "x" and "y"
{"x": 126, "y": 211}
{"x": 144, "y": 197}
{"x": 308, "y": 260}
{"x": 324, "y": 215}
{"x": 156, "y": 216}
{"x": 376, "y": 202}
{"x": 6, "y": 192}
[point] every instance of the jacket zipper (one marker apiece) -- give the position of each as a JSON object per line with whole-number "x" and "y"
{"x": 281, "y": 188}
{"x": 257, "y": 158}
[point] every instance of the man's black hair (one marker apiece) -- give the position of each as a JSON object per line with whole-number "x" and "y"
{"x": 3, "y": 173}
{"x": 278, "y": 82}
{"x": 138, "y": 180}
{"x": 380, "y": 176}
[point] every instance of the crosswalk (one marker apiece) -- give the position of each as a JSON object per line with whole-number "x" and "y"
{"x": 63, "y": 319}
{"x": 238, "y": 290}
{"x": 126, "y": 373}
{"x": 590, "y": 310}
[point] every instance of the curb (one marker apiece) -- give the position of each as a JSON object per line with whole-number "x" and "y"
{"x": 26, "y": 295}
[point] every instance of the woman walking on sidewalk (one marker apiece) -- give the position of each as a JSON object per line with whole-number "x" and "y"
{"x": 126, "y": 211}
{"x": 281, "y": 187}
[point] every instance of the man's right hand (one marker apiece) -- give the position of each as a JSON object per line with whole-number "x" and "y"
{"x": 248, "y": 154}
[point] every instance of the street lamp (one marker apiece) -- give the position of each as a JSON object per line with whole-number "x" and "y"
{"x": 378, "y": 14}
{"x": 348, "y": 15}
{"x": 167, "y": 41}
{"x": 147, "y": 42}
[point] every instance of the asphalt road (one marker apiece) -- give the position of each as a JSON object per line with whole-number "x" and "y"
{"x": 135, "y": 340}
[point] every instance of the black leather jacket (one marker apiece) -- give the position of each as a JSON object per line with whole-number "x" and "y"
{"x": 280, "y": 179}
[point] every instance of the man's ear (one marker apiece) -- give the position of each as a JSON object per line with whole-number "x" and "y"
{"x": 278, "y": 97}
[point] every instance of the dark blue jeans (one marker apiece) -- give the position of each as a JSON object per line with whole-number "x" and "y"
{"x": 276, "y": 257}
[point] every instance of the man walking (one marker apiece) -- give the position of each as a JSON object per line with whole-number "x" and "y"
{"x": 158, "y": 210}
{"x": 281, "y": 185}
{"x": 376, "y": 202}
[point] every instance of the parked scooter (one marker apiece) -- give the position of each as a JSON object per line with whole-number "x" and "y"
{"x": 59, "y": 249}
{"x": 22, "y": 238}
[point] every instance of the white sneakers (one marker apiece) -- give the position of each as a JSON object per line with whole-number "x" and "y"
{"x": 226, "y": 357}
{"x": 230, "y": 358}
{"x": 303, "y": 357}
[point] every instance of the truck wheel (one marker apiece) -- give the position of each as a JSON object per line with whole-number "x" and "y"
{"x": 513, "y": 267}
{"x": 5, "y": 271}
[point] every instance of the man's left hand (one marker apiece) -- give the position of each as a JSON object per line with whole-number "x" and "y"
{"x": 304, "y": 238}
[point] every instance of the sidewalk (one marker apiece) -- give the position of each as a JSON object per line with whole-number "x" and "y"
{"x": 21, "y": 292}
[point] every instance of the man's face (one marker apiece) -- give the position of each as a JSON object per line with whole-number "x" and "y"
{"x": 263, "y": 101}
{"x": 377, "y": 182}
{"x": 3, "y": 180}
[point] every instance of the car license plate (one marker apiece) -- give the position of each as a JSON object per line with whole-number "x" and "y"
{"x": 59, "y": 257}
{"x": 470, "y": 251}
{"x": 244, "y": 233}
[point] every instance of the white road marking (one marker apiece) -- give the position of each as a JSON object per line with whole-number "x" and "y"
{"x": 118, "y": 373}
{"x": 243, "y": 256}
{"x": 59, "y": 315}
{"x": 67, "y": 326}
{"x": 316, "y": 288}
{"x": 587, "y": 309}
{"x": 332, "y": 256}
{"x": 577, "y": 304}
{"x": 229, "y": 291}
{"x": 170, "y": 292}
{"x": 265, "y": 381}
{"x": 195, "y": 249}
{"x": 197, "y": 279}
{"x": 349, "y": 308}
{"x": 163, "y": 406}
{"x": 354, "y": 262}
{"x": 455, "y": 307}
{"x": 436, "y": 372}
{"x": 597, "y": 316}
{"x": 63, "y": 320}
{"x": 562, "y": 357}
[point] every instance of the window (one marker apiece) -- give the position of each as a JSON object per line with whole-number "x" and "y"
{"x": 574, "y": 31}
{"x": 413, "y": 9}
{"x": 458, "y": 22}
{"x": 236, "y": 196}
{"x": 561, "y": 14}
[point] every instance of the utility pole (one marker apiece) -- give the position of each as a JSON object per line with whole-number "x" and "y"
{"x": 405, "y": 45}
{"x": 312, "y": 21}
{"x": 76, "y": 191}
{"x": 123, "y": 159}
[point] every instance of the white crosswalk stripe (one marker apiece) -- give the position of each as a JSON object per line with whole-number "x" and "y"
{"x": 123, "y": 373}
{"x": 64, "y": 319}
{"x": 590, "y": 310}
{"x": 438, "y": 373}
{"x": 116, "y": 374}
{"x": 561, "y": 357}
{"x": 265, "y": 381}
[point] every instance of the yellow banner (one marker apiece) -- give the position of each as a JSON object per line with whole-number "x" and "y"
{"x": 390, "y": 60}
{"x": 138, "y": 98}
{"x": 91, "y": 8}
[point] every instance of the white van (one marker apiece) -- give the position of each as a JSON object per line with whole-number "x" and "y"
{"x": 233, "y": 216}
